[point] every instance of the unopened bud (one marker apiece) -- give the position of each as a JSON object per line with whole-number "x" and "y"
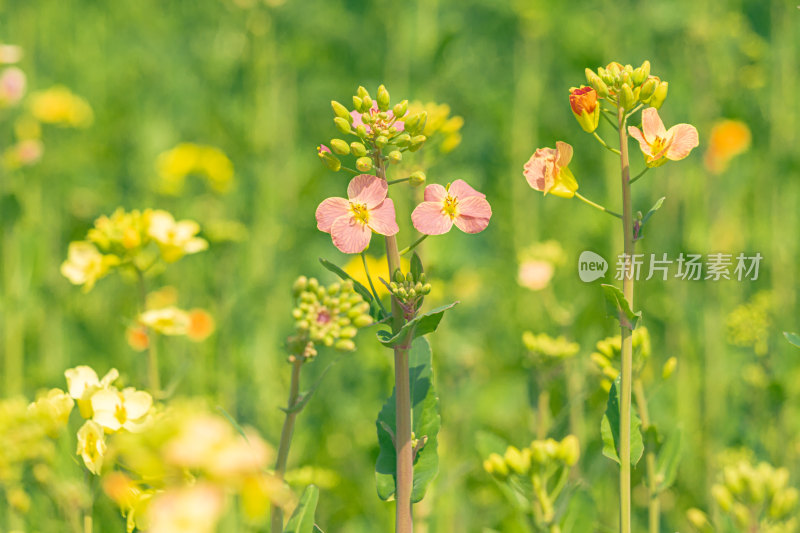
{"x": 417, "y": 178}
{"x": 569, "y": 450}
{"x": 339, "y": 110}
{"x": 518, "y": 461}
{"x": 358, "y": 149}
{"x": 641, "y": 73}
{"x": 367, "y": 103}
{"x": 395, "y": 156}
{"x": 345, "y": 345}
{"x": 383, "y": 98}
{"x": 362, "y": 92}
{"x": 362, "y": 321}
{"x": 627, "y": 99}
{"x": 723, "y": 497}
{"x": 300, "y": 284}
{"x": 358, "y": 104}
{"x": 496, "y": 465}
{"x": 399, "y": 110}
{"x": 340, "y": 147}
{"x": 380, "y": 141}
{"x": 669, "y": 367}
{"x": 364, "y": 164}
{"x": 330, "y": 161}
{"x": 417, "y": 142}
{"x": 403, "y": 139}
{"x": 399, "y": 277}
{"x": 648, "y": 88}
{"x": 659, "y": 95}
{"x": 343, "y": 125}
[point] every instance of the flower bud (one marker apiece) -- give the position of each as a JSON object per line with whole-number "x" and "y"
{"x": 358, "y": 104}
{"x": 348, "y": 332}
{"x": 426, "y": 288}
{"x": 403, "y": 139}
{"x": 362, "y": 92}
{"x": 518, "y": 461}
{"x": 569, "y": 450}
{"x": 399, "y": 110}
{"x": 626, "y": 98}
{"x": 330, "y": 160}
{"x": 416, "y": 123}
{"x": 741, "y": 515}
{"x": 367, "y": 103}
{"x": 395, "y": 156}
{"x": 698, "y": 519}
{"x": 300, "y": 285}
{"x": 361, "y": 131}
{"x": 669, "y": 367}
{"x": 648, "y": 88}
{"x": 496, "y": 465}
{"x": 417, "y": 178}
{"x": 383, "y": 98}
{"x": 343, "y": 125}
{"x": 339, "y": 110}
{"x": 733, "y": 480}
{"x": 659, "y": 95}
{"x": 340, "y": 147}
{"x": 364, "y": 164}
{"x": 784, "y": 503}
{"x": 585, "y": 108}
{"x": 362, "y": 321}
{"x": 723, "y": 497}
{"x": 641, "y": 73}
{"x": 358, "y": 149}
{"x": 380, "y": 141}
{"x": 345, "y": 345}
{"x": 597, "y": 84}
{"x": 399, "y": 278}
{"x": 417, "y": 142}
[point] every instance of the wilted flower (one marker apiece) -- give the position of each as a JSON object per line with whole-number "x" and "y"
{"x": 115, "y": 410}
{"x": 167, "y": 321}
{"x": 92, "y": 445}
{"x": 729, "y": 138}
{"x": 659, "y": 144}
{"x": 12, "y": 86}
{"x": 583, "y": 102}
{"x": 175, "y": 239}
{"x": 547, "y": 171}
{"x": 457, "y": 204}
{"x": 85, "y": 264}
{"x": 58, "y": 105}
{"x": 352, "y": 221}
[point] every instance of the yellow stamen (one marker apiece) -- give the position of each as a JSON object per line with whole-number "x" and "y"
{"x": 450, "y": 207}
{"x": 360, "y": 212}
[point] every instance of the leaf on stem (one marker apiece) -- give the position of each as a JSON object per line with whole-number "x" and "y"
{"x": 415, "y": 328}
{"x": 375, "y": 308}
{"x": 646, "y": 217}
{"x": 669, "y": 456}
{"x": 416, "y": 266}
{"x": 303, "y": 399}
{"x": 302, "y": 520}
{"x": 610, "y": 429}
{"x": 793, "y": 338}
{"x": 425, "y": 423}
{"x": 618, "y": 307}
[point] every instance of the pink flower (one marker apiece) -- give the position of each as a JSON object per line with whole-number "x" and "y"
{"x": 547, "y": 171}
{"x": 322, "y": 149}
{"x": 459, "y": 204}
{"x": 351, "y": 222}
{"x": 358, "y": 121}
{"x": 659, "y": 144}
{"x": 12, "y": 86}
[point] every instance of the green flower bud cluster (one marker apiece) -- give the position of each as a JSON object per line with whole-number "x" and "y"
{"x": 408, "y": 290}
{"x": 627, "y": 86}
{"x": 379, "y": 126}
{"x": 539, "y": 456}
{"x": 756, "y": 495}
{"x": 329, "y": 315}
{"x": 606, "y": 358}
{"x": 749, "y": 324}
{"x": 546, "y": 349}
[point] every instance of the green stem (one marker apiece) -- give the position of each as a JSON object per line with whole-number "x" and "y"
{"x": 399, "y": 180}
{"x": 634, "y": 110}
{"x": 607, "y": 116}
{"x": 411, "y": 246}
{"x": 654, "y": 505}
{"x": 605, "y": 144}
{"x": 542, "y": 412}
{"x": 371, "y": 285}
{"x": 351, "y": 170}
{"x": 596, "y": 205}
{"x": 153, "y": 377}
{"x": 404, "y": 476}
{"x": 639, "y": 175}
{"x": 626, "y": 334}
{"x": 286, "y": 437}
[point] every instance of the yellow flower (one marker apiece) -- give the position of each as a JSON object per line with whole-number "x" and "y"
{"x": 115, "y": 410}
{"x": 54, "y": 407}
{"x": 167, "y": 321}
{"x": 121, "y": 232}
{"x": 85, "y": 264}
{"x": 440, "y": 127}
{"x": 175, "y": 239}
{"x": 82, "y": 382}
{"x": 92, "y": 446}
{"x": 188, "y": 158}
{"x": 378, "y": 268}
{"x": 58, "y": 105}
{"x": 729, "y": 138}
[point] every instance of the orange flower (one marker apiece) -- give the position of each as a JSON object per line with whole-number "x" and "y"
{"x": 583, "y": 102}
{"x": 201, "y": 325}
{"x": 137, "y": 338}
{"x": 729, "y": 138}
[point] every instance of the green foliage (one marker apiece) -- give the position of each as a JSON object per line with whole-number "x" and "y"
{"x": 618, "y": 307}
{"x": 302, "y": 520}
{"x": 610, "y": 429}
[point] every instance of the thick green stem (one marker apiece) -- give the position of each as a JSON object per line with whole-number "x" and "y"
{"x": 153, "y": 376}
{"x": 654, "y": 505}
{"x": 626, "y": 334}
{"x": 286, "y": 438}
{"x": 404, "y": 479}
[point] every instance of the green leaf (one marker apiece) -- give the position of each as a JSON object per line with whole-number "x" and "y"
{"x": 417, "y": 327}
{"x": 617, "y": 306}
{"x": 10, "y": 210}
{"x": 358, "y": 286}
{"x": 416, "y": 266}
{"x": 610, "y": 429}
{"x": 302, "y": 520}
{"x": 793, "y": 338}
{"x": 669, "y": 456}
{"x": 656, "y": 207}
{"x": 306, "y": 396}
{"x": 425, "y": 423}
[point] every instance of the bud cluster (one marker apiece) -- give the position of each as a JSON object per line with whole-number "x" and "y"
{"x": 546, "y": 349}
{"x": 757, "y": 496}
{"x": 409, "y": 290}
{"x": 377, "y": 125}
{"x": 329, "y": 315}
{"x": 541, "y": 453}
{"x": 626, "y": 86}
{"x": 606, "y": 358}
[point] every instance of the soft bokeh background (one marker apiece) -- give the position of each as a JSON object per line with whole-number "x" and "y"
{"x": 255, "y": 79}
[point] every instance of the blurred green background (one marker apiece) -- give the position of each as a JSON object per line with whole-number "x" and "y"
{"x": 255, "y": 78}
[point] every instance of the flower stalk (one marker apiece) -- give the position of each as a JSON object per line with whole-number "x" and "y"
{"x": 654, "y": 504}
{"x": 286, "y": 436}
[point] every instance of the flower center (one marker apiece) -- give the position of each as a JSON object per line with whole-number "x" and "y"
{"x": 360, "y": 212}
{"x": 658, "y": 146}
{"x": 450, "y": 206}
{"x": 323, "y": 316}
{"x": 120, "y": 414}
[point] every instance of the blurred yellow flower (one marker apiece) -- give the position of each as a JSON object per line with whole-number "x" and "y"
{"x": 92, "y": 446}
{"x": 85, "y": 264}
{"x": 58, "y": 105}
{"x": 167, "y": 321}
{"x": 378, "y": 268}
{"x": 121, "y": 232}
{"x": 82, "y": 382}
{"x": 194, "y": 509}
{"x": 729, "y": 138}
{"x": 209, "y": 162}
{"x": 115, "y": 410}
{"x": 55, "y": 406}
{"x": 175, "y": 239}
{"x": 440, "y": 127}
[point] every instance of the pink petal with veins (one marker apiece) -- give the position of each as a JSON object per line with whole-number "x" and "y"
{"x": 429, "y": 218}
{"x": 382, "y": 218}
{"x": 460, "y": 189}
{"x": 367, "y": 189}
{"x": 684, "y": 138}
{"x": 329, "y": 210}
{"x": 435, "y": 193}
{"x": 652, "y": 126}
{"x": 349, "y": 235}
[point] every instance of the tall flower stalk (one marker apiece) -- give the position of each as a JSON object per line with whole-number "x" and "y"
{"x": 616, "y": 93}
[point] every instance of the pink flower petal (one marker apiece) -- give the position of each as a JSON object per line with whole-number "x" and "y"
{"x": 435, "y": 193}
{"x": 430, "y": 219}
{"x": 367, "y": 189}
{"x": 382, "y": 218}
{"x": 471, "y": 224}
{"x": 459, "y": 189}
{"x": 652, "y": 126}
{"x": 564, "y": 151}
{"x": 349, "y": 235}
{"x": 474, "y": 206}
{"x": 329, "y": 210}
{"x": 684, "y": 138}
{"x": 537, "y": 170}
{"x": 637, "y": 134}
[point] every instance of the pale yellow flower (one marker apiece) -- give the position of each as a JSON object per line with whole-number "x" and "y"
{"x": 58, "y": 105}
{"x": 167, "y": 321}
{"x": 194, "y": 509}
{"x": 85, "y": 264}
{"x": 55, "y": 406}
{"x": 120, "y": 232}
{"x": 82, "y": 383}
{"x": 175, "y": 239}
{"x": 115, "y": 410}
{"x": 92, "y": 446}
{"x": 188, "y": 158}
